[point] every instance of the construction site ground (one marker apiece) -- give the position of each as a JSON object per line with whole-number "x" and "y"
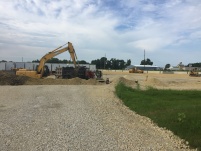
{"x": 76, "y": 114}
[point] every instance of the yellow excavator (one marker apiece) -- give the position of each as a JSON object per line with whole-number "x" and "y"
{"x": 41, "y": 69}
{"x": 135, "y": 70}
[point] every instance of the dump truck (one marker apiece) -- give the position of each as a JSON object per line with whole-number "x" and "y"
{"x": 71, "y": 72}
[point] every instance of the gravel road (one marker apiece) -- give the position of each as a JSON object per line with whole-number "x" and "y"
{"x": 75, "y": 117}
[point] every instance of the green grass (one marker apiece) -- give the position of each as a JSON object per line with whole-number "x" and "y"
{"x": 177, "y": 110}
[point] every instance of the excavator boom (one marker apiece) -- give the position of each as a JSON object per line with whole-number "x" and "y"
{"x": 40, "y": 69}
{"x": 56, "y": 52}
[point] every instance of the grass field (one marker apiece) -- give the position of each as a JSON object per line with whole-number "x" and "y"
{"x": 176, "y": 110}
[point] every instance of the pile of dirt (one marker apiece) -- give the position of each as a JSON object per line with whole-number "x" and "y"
{"x": 9, "y": 78}
{"x": 155, "y": 82}
{"x": 50, "y": 81}
{"x": 127, "y": 82}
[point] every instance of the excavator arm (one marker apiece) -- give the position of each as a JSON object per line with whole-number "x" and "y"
{"x": 40, "y": 69}
{"x": 55, "y": 52}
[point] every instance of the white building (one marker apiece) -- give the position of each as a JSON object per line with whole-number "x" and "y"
{"x": 32, "y": 66}
{"x": 144, "y": 67}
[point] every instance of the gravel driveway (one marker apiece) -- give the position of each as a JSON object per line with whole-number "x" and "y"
{"x": 75, "y": 117}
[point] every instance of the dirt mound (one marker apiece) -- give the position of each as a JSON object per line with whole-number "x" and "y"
{"x": 127, "y": 82}
{"x": 9, "y": 78}
{"x": 73, "y": 81}
{"x": 155, "y": 82}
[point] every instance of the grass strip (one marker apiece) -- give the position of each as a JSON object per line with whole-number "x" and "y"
{"x": 176, "y": 110}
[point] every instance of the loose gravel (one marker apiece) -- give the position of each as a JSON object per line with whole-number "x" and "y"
{"x": 75, "y": 118}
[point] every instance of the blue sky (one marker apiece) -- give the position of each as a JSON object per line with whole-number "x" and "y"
{"x": 168, "y": 30}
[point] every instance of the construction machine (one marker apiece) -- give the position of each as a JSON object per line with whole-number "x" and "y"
{"x": 99, "y": 75}
{"x": 41, "y": 69}
{"x": 70, "y": 72}
{"x": 194, "y": 73}
{"x": 135, "y": 70}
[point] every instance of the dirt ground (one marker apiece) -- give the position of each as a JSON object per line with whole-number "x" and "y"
{"x": 9, "y": 78}
{"x": 76, "y": 118}
{"x": 156, "y": 80}
{"x": 77, "y": 114}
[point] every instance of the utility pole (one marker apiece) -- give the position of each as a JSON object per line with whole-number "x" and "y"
{"x": 104, "y": 61}
{"x": 144, "y": 59}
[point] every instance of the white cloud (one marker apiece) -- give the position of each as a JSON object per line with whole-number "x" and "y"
{"x": 196, "y": 35}
{"x": 129, "y": 3}
{"x": 150, "y": 44}
{"x": 92, "y": 26}
{"x": 149, "y": 7}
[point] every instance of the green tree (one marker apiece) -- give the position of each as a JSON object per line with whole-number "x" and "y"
{"x": 167, "y": 66}
{"x": 128, "y": 63}
{"x": 96, "y": 62}
{"x": 53, "y": 60}
{"x": 56, "y": 60}
{"x": 113, "y": 63}
{"x": 121, "y": 64}
{"x": 100, "y": 63}
{"x": 108, "y": 64}
{"x": 36, "y": 60}
{"x": 64, "y": 61}
{"x": 103, "y": 62}
{"x": 146, "y": 62}
{"x": 82, "y": 62}
{"x": 3, "y": 61}
{"x": 198, "y": 64}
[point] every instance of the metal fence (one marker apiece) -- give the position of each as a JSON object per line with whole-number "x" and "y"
{"x": 32, "y": 66}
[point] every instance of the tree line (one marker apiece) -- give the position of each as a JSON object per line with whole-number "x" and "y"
{"x": 194, "y": 64}
{"x": 56, "y": 60}
{"x": 102, "y": 63}
{"x": 113, "y": 63}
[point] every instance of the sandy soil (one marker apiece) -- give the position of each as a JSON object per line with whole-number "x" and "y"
{"x": 77, "y": 114}
{"x": 160, "y": 81}
{"x": 75, "y": 118}
{"x": 157, "y": 80}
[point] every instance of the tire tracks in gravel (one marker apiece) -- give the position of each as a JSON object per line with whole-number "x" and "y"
{"x": 75, "y": 117}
